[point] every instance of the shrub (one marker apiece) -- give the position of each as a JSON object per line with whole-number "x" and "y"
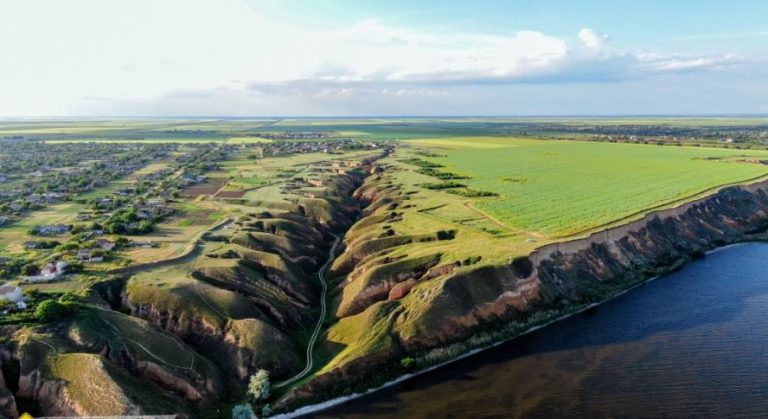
{"x": 67, "y": 246}
{"x": 242, "y": 411}
{"x": 259, "y": 385}
{"x": 472, "y": 193}
{"x": 51, "y": 310}
{"x": 30, "y": 269}
{"x": 442, "y": 185}
{"x": 408, "y": 363}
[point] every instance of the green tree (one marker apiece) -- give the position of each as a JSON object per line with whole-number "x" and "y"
{"x": 259, "y": 385}
{"x": 145, "y": 227}
{"x": 50, "y": 310}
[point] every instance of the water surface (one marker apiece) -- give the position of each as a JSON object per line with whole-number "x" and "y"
{"x": 691, "y": 344}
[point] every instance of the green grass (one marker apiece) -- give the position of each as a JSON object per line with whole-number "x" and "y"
{"x": 560, "y": 188}
{"x": 247, "y": 140}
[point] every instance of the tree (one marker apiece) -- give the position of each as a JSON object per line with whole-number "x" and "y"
{"x": 50, "y": 310}
{"x": 242, "y": 411}
{"x": 145, "y": 227}
{"x": 259, "y": 386}
{"x": 266, "y": 411}
{"x": 30, "y": 269}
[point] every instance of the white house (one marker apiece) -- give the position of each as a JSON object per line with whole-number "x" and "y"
{"x": 11, "y": 293}
{"x": 50, "y": 272}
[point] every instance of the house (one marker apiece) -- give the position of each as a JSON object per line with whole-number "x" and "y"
{"x": 29, "y": 245}
{"x": 105, "y": 245}
{"x": 11, "y": 293}
{"x": 188, "y": 177}
{"x": 50, "y": 272}
{"x": 87, "y": 256}
{"x": 51, "y": 230}
{"x": 143, "y": 215}
{"x": 34, "y": 198}
{"x": 84, "y": 254}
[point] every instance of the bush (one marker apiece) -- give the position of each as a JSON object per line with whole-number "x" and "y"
{"x": 408, "y": 363}
{"x": 51, "y": 310}
{"x": 472, "y": 193}
{"x": 259, "y": 385}
{"x": 33, "y": 293}
{"x": 442, "y": 185}
{"x": 242, "y": 411}
{"x": 67, "y": 246}
{"x": 30, "y": 269}
{"x": 145, "y": 227}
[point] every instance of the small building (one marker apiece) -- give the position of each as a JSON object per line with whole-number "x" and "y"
{"x": 84, "y": 254}
{"x": 51, "y": 230}
{"x": 105, "y": 244}
{"x": 11, "y": 293}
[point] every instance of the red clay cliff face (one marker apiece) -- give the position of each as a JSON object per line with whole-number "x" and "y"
{"x": 562, "y": 277}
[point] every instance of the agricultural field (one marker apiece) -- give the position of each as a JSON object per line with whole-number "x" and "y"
{"x": 223, "y": 234}
{"x": 562, "y": 188}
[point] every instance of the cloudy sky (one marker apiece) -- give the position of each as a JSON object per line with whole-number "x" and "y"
{"x": 395, "y": 57}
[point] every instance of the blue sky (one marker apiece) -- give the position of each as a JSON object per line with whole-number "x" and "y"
{"x": 325, "y": 57}
{"x": 634, "y": 24}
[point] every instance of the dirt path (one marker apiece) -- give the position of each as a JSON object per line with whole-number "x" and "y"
{"x": 319, "y": 326}
{"x": 188, "y": 254}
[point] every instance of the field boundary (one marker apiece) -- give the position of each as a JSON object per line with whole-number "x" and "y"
{"x": 189, "y": 251}
{"x": 667, "y": 205}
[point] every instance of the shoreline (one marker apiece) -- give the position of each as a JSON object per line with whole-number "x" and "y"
{"x": 314, "y": 408}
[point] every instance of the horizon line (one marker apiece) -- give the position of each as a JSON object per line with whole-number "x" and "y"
{"x": 390, "y": 116}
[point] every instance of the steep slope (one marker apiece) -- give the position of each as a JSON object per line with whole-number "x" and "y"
{"x": 450, "y": 306}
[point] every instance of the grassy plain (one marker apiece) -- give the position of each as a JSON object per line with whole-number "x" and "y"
{"x": 561, "y": 188}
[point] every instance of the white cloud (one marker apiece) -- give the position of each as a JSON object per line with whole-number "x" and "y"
{"x": 56, "y": 57}
{"x": 680, "y": 62}
{"x": 592, "y": 39}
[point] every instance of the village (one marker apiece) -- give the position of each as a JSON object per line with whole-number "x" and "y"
{"x": 109, "y": 220}
{"x": 96, "y": 232}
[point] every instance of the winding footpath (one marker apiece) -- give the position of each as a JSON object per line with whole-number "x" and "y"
{"x": 319, "y": 325}
{"x": 190, "y": 252}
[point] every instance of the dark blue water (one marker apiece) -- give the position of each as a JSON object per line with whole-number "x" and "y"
{"x": 691, "y": 344}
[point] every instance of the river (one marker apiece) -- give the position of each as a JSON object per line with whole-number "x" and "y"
{"x": 693, "y": 343}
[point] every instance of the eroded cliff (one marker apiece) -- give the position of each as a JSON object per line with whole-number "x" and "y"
{"x": 462, "y": 307}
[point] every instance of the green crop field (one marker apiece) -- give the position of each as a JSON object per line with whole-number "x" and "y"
{"x": 559, "y": 188}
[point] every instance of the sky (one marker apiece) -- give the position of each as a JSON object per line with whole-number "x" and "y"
{"x": 382, "y": 58}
